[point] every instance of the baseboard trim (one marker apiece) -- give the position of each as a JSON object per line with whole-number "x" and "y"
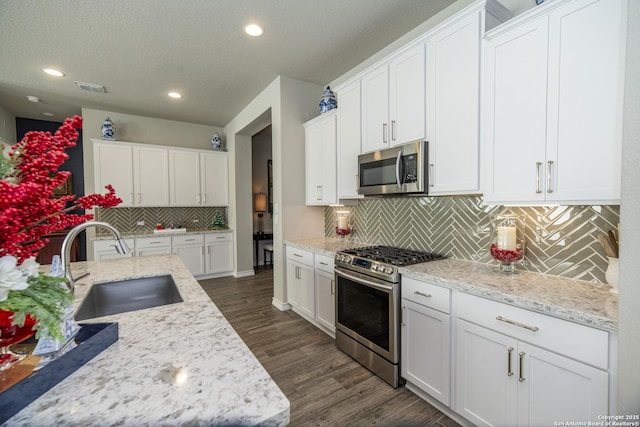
{"x": 245, "y": 273}
{"x": 282, "y": 306}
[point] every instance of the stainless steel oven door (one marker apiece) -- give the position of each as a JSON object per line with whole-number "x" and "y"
{"x": 367, "y": 311}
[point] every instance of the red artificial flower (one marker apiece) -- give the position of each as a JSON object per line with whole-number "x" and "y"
{"x": 28, "y": 208}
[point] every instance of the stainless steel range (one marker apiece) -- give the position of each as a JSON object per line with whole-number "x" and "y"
{"x": 368, "y": 305}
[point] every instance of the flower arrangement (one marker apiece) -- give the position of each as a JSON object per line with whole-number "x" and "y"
{"x": 28, "y": 212}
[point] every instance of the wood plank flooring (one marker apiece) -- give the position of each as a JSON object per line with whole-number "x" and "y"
{"x": 325, "y": 386}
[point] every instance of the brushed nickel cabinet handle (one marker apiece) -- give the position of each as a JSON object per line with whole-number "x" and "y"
{"x": 549, "y": 170}
{"x": 509, "y": 371}
{"x": 422, "y": 294}
{"x": 538, "y": 166}
{"x": 393, "y": 130}
{"x": 384, "y": 133}
{"x": 402, "y": 316}
{"x": 204, "y": 199}
{"x": 431, "y": 168}
{"x": 513, "y": 322}
{"x": 333, "y": 287}
{"x": 520, "y": 377}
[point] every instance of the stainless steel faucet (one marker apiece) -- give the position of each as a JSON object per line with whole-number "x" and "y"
{"x": 121, "y": 247}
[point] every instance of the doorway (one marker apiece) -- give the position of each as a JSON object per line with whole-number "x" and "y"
{"x": 262, "y": 193}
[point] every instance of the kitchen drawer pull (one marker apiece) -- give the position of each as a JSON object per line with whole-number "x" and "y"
{"x": 323, "y": 263}
{"x": 422, "y": 294}
{"x": 531, "y": 328}
{"x": 538, "y": 166}
{"x": 220, "y": 237}
{"x": 520, "y": 377}
{"x": 549, "y": 167}
{"x": 298, "y": 255}
{"x": 154, "y": 243}
{"x": 189, "y": 240}
{"x": 509, "y": 371}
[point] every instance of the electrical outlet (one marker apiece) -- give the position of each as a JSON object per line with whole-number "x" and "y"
{"x": 196, "y": 220}
{"x": 141, "y": 222}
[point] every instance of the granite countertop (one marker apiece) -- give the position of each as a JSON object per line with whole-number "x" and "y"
{"x": 149, "y": 233}
{"x": 578, "y": 301}
{"x": 179, "y": 364}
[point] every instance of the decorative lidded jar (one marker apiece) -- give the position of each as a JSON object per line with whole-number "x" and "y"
{"x": 108, "y": 130}
{"x": 328, "y": 101}
{"x": 507, "y": 241}
{"x": 216, "y": 142}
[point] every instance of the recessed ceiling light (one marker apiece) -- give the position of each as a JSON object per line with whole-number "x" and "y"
{"x": 253, "y": 30}
{"x": 175, "y": 95}
{"x": 32, "y": 98}
{"x": 53, "y": 72}
{"x": 46, "y": 113}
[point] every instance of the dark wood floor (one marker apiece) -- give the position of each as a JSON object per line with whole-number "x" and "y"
{"x": 325, "y": 386}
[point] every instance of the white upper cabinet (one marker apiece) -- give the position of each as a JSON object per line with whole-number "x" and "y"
{"x": 552, "y": 110}
{"x": 453, "y": 91}
{"x": 348, "y": 144}
{"x": 199, "y": 178}
{"x": 393, "y": 101}
{"x": 320, "y": 159}
{"x": 214, "y": 178}
{"x": 138, "y": 173}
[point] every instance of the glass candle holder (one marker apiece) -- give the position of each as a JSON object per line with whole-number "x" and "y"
{"x": 507, "y": 241}
{"x": 343, "y": 228}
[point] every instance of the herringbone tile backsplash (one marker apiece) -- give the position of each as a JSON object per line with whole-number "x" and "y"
{"x": 125, "y": 219}
{"x": 560, "y": 240}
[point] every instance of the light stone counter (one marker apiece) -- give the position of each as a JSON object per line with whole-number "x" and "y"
{"x": 103, "y": 235}
{"x": 324, "y": 245}
{"x": 179, "y": 364}
{"x": 575, "y": 300}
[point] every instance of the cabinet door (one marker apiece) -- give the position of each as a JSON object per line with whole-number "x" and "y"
{"x": 348, "y": 144}
{"x": 113, "y": 165}
{"x": 584, "y": 108}
{"x": 515, "y": 113}
{"x": 192, "y": 256}
{"x": 307, "y": 291}
{"x": 293, "y": 283}
{"x": 214, "y": 179}
{"x": 407, "y": 109}
{"x": 326, "y": 300}
{"x": 375, "y": 110}
{"x": 552, "y": 387}
{"x": 426, "y": 350}
{"x": 151, "y": 176}
{"x": 219, "y": 257}
{"x": 486, "y": 376}
{"x": 453, "y": 90}
{"x": 320, "y": 161}
{"x": 184, "y": 178}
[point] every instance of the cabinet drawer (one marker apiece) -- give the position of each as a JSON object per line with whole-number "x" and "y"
{"x": 191, "y": 239}
{"x": 153, "y": 242}
{"x": 218, "y": 237}
{"x": 324, "y": 263}
{"x": 426, "y": 294}
{"x": 300, "y": 255}
{"x": 576, "y": 341}
{"x": 110, "y": 244}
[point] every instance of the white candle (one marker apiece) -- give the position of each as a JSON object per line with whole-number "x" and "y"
{"x": 342, "y": 222}
{"x": 506, "y": 238}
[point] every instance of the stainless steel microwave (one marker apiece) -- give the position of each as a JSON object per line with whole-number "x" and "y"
{"x": 393, "y": 171}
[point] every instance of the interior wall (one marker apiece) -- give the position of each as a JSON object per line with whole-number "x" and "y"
{"x": 628, "y": 313}
{"x": 7, "y": 127}
{"x": 261, "y": 154}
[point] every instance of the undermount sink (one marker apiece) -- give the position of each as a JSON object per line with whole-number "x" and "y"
{"x": 122, "y": 296}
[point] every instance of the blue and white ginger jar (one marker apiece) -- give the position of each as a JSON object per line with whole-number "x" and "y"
{"x": 328, "y": 101}
{"x": 108, "y": 131}
{"x": 216, "y": 142}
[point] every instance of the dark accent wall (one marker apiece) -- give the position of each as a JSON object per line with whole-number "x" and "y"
{"x": 73, "y": 164}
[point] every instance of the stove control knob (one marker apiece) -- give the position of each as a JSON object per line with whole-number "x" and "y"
{"x": 375, "y": 267}
{"x": 381, "y": 269}
{"x": 389, "y": 270}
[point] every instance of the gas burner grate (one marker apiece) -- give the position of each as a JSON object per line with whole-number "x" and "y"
{"x": 395, "y": 256}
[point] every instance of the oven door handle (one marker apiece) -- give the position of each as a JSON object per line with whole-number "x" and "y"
{"x": 366, "y": 282}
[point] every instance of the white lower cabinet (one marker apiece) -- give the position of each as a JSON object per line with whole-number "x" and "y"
{"x": 153, "y": 245}
{"x": 219, "y": 253}
{"x": 106, "y": 249}
{"x": 209, "y": 254}
{"x": 325, "y": 293}
{"x": 426, "y": 339}
{"x": 300, "y": 282}
{"x": 190, "y": 249}
{"x": 503, "y": 379}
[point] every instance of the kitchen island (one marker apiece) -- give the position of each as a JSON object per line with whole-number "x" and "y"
{"x": 178, "y": 364}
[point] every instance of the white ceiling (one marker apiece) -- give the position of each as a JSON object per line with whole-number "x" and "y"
{"x": 139, "y": 50}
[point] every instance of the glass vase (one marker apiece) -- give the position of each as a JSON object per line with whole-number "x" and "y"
{"x": 10, "y": 335}
{"x": 343, "y": 228}
{"x": 507, "y": 241}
